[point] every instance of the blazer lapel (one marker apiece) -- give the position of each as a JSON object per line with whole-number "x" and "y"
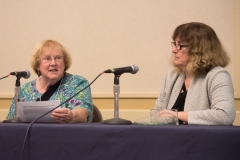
{"x": 176, "y": 90}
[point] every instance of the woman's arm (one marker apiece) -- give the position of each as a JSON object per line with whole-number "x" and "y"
{"x": 183, "y": 116}
{"x": 221, "y": 97}
{"x": 81, "y": 104}
{"x": 65, "y": 115}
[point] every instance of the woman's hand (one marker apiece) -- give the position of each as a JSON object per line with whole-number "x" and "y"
{"x": 63, "y": 115}
{"x": 166, "y": 112}
{"x": 183, "y": 115}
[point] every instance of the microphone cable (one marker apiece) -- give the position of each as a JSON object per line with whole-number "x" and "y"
{"x": 5, "y": 76}
{"x": 26, "y": 134}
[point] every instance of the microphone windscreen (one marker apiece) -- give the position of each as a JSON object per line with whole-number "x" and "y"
{"x": 135, "y": 69}
{"x": 28, "y": 75}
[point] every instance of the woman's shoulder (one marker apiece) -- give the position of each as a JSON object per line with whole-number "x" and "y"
{"x": 75, "y": 78}
{"x": 172, "y": 74}
{"x": 218, "y": 75}
{"x": 217, "y": 70}
{"x": 31, "y": 84}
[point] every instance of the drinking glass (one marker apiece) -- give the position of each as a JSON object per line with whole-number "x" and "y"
{"x": 169, "y": 116}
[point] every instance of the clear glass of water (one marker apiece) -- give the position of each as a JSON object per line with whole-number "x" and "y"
{"x": 168, "y": 116}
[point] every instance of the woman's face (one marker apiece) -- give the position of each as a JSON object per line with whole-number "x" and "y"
{"x": 181, "y": 56}
{"x": 51, "y": 64}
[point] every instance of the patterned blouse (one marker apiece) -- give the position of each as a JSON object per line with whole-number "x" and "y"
{"x": 70, "y": 85}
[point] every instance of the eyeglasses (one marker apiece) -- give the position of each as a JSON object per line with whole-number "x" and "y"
{"x": 49, "y": 59}
{"x": 178, "y": 46}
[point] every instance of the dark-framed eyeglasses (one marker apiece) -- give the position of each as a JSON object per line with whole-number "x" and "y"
{"x": 178, "y": 46}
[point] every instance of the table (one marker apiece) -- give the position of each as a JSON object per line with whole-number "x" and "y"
{"x": 91, "y": 141}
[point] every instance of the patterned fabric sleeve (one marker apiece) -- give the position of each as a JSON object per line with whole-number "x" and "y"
{"x": 71, "y": 85}
{"x": 26, "y": 95}
{"x": 11, "y": 112}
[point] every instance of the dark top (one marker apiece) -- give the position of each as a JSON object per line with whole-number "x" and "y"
{"x": 179, "y": 104}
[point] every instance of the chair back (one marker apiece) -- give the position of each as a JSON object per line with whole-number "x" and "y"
{"x": 97, "y": 116}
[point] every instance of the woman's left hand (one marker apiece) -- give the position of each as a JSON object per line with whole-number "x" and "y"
{"x": 183, "y": 115}
{"x": 63, "y": 115}
{"x": 166, "y": 112}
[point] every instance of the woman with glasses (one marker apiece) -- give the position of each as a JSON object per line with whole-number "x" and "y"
{"x": 199, "y": 88}
{"x": 50, "y": 62}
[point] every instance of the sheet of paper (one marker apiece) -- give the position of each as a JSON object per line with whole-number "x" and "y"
{"x": 29, "y": 111}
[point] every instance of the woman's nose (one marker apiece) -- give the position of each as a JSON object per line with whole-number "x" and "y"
{"x": 174, "y": 50}
{"x": 53, "y": 61}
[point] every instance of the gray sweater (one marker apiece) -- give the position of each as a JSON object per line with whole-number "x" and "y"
{"x": 209, "y": 100}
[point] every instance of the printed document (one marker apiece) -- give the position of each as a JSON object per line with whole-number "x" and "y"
{"x": 29, "y": 111}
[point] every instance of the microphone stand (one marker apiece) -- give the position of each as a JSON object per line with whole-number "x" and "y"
{"x": 116, "y": 120}
{"x": 16, "y": 118}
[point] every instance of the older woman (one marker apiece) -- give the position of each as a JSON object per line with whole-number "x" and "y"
{"x": 50, "y": 62}
{"x": 199, "y": 87}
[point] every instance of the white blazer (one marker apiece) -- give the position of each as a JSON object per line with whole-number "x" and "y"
{"x": 209, "y": 100}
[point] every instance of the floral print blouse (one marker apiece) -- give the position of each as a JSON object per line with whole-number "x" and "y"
{"x": 70, "y": 85}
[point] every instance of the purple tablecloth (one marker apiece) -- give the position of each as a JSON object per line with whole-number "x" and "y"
{"x": 119, "y": 142}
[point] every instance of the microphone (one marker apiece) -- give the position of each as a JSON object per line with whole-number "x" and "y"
{"x": 25, "y": 74}
{"x": 129, "y": 69}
